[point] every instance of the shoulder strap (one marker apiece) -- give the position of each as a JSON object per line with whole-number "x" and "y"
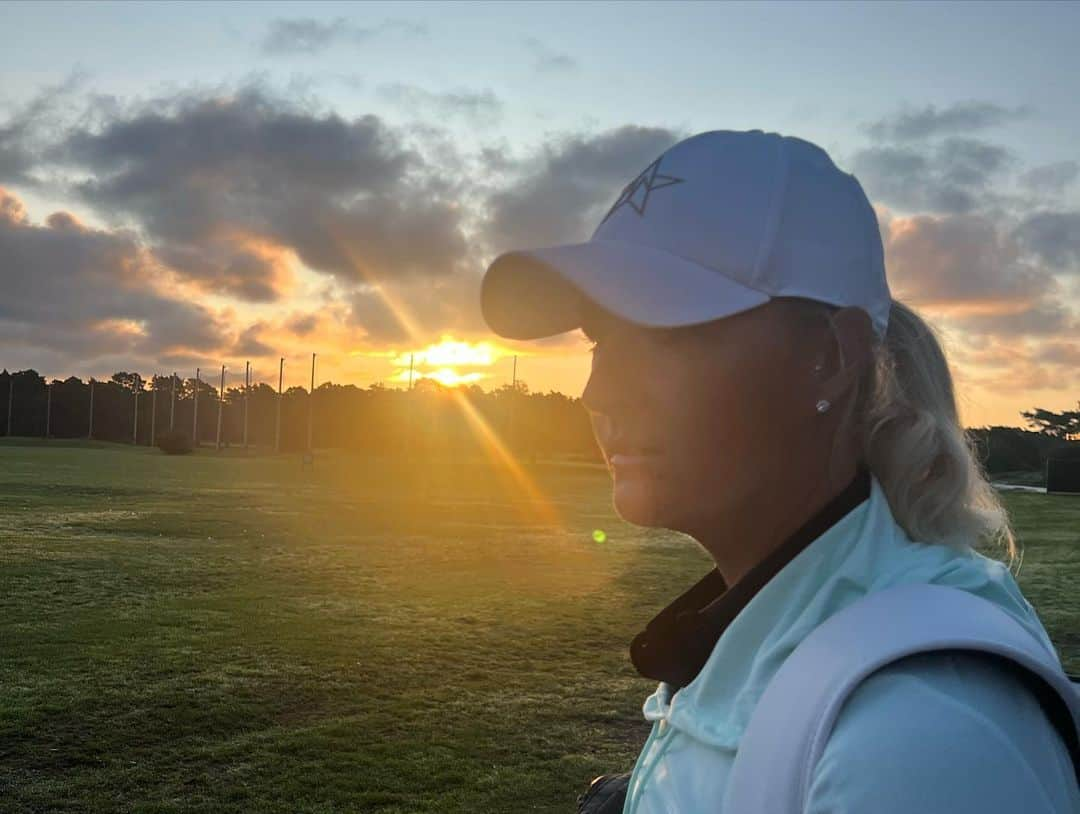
{"x": 795, "y": 715}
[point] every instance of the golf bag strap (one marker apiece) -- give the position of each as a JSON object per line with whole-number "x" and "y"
{"x": 792, "y": 721}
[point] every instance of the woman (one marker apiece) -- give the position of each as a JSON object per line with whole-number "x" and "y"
{"x": 755, "y": 386}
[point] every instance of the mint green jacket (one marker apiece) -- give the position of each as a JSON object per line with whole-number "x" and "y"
{"x": 933, "y": 733}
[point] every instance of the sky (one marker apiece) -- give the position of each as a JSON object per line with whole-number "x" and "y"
{"x": 190, "y": 185}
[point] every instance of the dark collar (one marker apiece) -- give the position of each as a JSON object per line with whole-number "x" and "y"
{"x": 678, "y": 641}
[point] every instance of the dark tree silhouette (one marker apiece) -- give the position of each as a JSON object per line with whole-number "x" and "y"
{"x": 429, "y": 420}
{"x": 1064, "y": 425}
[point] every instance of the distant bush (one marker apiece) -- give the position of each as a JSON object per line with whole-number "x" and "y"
{"x": 174, "y": 442}
{"x": 1069, "y": 451}
{"x": 1010, "y": 449}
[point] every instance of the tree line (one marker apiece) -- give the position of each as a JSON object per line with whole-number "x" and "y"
{"x": 428, "y": 420}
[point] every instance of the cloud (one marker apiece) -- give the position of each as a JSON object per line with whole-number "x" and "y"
{"x": 1007, "y": 325}
{"x": 16, "y": 158}
{"x": 254, "y": 273}
{"x": 249, "y": 342}
{"x": 969, "y": 270}
{"x": 389, "y": 316}
{"x": 1050, "y": 179}
{"x": 1039, "y": 319}
{"x": 959, "y": 262}
{"x": 548, "y": 60}
{"x": 306, "y": 35}
{"x": 238, "y": 194}
{"x": 84, "y": 293}
{"x": 1010, "y": 365}
{"x": 377, "y": 241}
{"x": 302, "y": 36}
{"x": 30, "y": 125}
{"x": 970, "y": 163}
{"x": 962, "y": 117}
{"x": 478, "y": 107}
{"x": 977, "y": 261}
{"x": 560, "y": 193}
{"x": 229, "y": 189}
{"x": 1054, "y": 237}
{"x": 1061, "y": 353}
{"x": 303, "y": 324}
{"x": 955, "y": 177}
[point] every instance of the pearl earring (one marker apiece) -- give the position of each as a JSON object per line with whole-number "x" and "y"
{"x": 822, "y": 406}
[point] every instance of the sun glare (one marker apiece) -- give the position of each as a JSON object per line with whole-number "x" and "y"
{"x": 446, "y": 376}
{"x": 450, "y": 362}
{"x": 449, "y": 352}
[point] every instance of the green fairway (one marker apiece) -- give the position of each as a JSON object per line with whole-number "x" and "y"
{"x": 224, "y": 633}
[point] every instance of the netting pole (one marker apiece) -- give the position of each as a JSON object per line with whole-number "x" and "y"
{"x": 195, "y": 412}
{"x": 311, "y": 403}
{"x": 48, "y": 408}
{"x": 247, "y": 386}
{"x": 90, "y": 432}
{"x": 153, "y": 410}
{"x": 511, "y": 406}
{"x": 220, "y": 406}
{"x": 410, "y": 414}
{"x": 10, "y": 399}
{"x": 172, "y": 402}
{"x": 277, "y": 423}
{"x": 135, "y": 423}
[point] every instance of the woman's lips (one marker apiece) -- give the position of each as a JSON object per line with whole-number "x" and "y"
{"x": 626, "y": 460}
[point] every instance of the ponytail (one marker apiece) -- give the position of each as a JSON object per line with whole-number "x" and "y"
{"x": 912, "y": 441}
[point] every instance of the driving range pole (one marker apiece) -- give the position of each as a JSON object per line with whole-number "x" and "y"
{"x": 48, "y": 408}
{"x": 410, "y": 414}
{"x": 135, "y": 420}
{"x": 277, "y": 423}
{"x": 247, "y": 387}
{"x": 310, "y": 404}
{"x": 220, "y": 406}
{"x": 195, "y": 412}
{"x": 513, "y": 402}
{"x": 153, "y": 411}
{"x": 10, "y": 393}
{"x": 90, "y": 431}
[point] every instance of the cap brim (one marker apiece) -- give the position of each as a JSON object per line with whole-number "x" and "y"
{"x": 538, "y": 292}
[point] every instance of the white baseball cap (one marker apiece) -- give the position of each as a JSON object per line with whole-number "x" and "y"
{"x": 721, "y": 222}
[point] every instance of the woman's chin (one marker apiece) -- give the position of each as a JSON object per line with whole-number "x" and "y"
{"x": 635, "y": 502}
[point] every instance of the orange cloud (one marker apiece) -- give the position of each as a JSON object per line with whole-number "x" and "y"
{"x": 1006, "y": 320}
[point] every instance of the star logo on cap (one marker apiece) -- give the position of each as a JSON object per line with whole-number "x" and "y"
{"x": 636, "y": 194}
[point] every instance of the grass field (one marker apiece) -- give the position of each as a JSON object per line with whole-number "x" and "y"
{"x": 215, "y": 634}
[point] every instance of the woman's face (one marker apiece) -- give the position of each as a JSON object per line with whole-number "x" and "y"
{"x": 690, "y": 420}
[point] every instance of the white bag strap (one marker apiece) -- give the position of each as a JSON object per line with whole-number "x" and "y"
{"x": 795, "y": 715}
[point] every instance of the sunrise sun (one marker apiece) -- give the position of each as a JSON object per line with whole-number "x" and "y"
{"x": 450, "y": 362}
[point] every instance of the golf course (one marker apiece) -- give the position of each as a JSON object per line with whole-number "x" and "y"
{"x": 230, "y": 631}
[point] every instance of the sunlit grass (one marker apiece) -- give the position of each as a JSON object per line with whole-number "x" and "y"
{"x": 215, "y": 634}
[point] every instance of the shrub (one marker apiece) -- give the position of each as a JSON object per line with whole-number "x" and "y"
{"x": 174, "y": 442}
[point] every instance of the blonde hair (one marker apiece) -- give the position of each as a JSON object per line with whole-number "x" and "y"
{"x": 906, "y": 424}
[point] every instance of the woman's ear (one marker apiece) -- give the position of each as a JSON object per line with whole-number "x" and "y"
{"x": 850, "y": 342}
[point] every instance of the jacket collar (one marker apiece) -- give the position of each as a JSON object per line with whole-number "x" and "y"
{"x": 866, "y": 550}
{"x": 678, "y": 641}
